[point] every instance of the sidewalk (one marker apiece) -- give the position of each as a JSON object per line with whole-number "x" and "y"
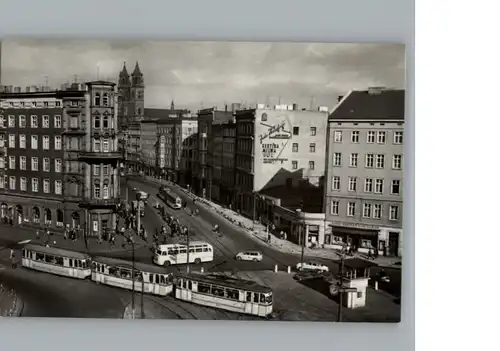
{"x": 258, "y": 231}
{"x": 10, "y": 304}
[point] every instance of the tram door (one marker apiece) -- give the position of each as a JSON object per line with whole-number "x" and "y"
{"x": 187, "y": 290}
{"x": 252, "y": 303}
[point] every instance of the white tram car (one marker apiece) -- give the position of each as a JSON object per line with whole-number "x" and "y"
{"x": 56, "y": 261}
{"x": 236, "y": 295}
{"x": 118, "y": 273}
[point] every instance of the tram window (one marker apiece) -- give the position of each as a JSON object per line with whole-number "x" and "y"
{"x": 216, "y": 291}
{"x": 262, "y": 298}
{"x": 24, "y": 253}
{"x": 233, "y": 294}
{"x": 70, "y": 262}
{"x": 249, "y": 297}
{"x": 138, "y": 276}
{"x": 79, "y": 263}
{"x": 113, "y": 271}
{"x": 40, "y": 257}
{"x": 162, "y": 279}
{"x": 203, "y": 288}
{"x": 255, "y": 298}
{"x": 125, "y": 274}
{"x": 190, "y": 285}
{"x": 184, "y": 283}
{"x": 157, "y": 279}
{"x": 269, "y": 298}
{"x": 59, "y": 261}
{"x": 150, "y": 277}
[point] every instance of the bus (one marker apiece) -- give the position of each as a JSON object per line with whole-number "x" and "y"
{"x": 118, "y": 273}
{"x": 56, "y": 261}
{"x": 231, "y": 294}
{"x": 142, "y": 195}
{"x": 170, "y": 198}
{"x": 170, "y": 254}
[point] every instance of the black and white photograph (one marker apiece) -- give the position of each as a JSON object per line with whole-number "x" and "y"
{"x": 201, "y": 180}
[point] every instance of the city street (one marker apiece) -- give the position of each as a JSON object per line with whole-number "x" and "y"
{"x": 234, "y": 239}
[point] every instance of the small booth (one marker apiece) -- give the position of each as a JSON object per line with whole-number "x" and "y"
{"x": 355, "y": 277}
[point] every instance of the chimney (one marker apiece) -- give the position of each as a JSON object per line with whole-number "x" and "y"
{"x": 295, "y": 107}
{"x": 225, "y": 107}
{"x": 17, "y": 89}
{"x": 340, "y": 98}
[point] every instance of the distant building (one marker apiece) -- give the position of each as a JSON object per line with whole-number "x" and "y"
{"x": 130, "y": 96}
{"x": 148, "y": 144}
{"x": 364, "y": 172}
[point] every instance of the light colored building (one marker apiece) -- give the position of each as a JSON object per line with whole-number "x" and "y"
{"x": 364, "y": 173}
{"x": 280, "y": 147}
{"x": 148, "y": 147}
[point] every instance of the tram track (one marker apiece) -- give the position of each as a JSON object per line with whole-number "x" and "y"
{"x": 171, "y": 301}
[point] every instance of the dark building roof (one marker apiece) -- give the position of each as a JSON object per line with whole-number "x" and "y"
{"x": 101, "y": 82}
{"x": 162, "y": 113}
{"x": 371, "y": 104}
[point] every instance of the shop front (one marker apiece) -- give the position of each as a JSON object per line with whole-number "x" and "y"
{"x": 360, "y": 238}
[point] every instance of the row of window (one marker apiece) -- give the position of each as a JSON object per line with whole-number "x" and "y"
{"x": 107, "y": 121}
{"x": 372, "y": 137}
{"x": 34, "y": 142}
{"x": 35, "y": 182}
{"x": 312, "y": 147}
{"x": 27, "y": 104}
{"x": 97, "y": 99}
{"x": 369, "y": 210}
{"x": 295, "y": 165}
{"x": 105, "y": 170}
{"x": 371, "y": 185}
{"x": 33, "y": 119}
{"x": 34, "y": 163}
{"x": 371, "y": 160}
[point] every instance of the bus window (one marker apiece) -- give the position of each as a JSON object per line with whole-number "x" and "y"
{"x": 191, "y": 250}
{"x": 190, "y": 285}
{"x": 209, "y": 249}
{"x": 182, "y": 251}
{"x": 157, "y": 279}
{"x": 199, "y": 249}
{"x": 249, "y": 297}
{"x": 165, "y": 254}
{"x": 255, "y": 298}
{"x": 262, "y": 298}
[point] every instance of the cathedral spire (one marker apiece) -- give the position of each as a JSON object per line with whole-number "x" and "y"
{"x": 124, "y": 78}
{"x": 172, "y": 106}
{"x": 137, "y": 77}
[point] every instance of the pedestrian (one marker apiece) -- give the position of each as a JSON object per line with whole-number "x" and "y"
{"x": 13, "y": 259}
{"x": 65, "y": 233}
{"x": 37, "y": 235}
{"x": 269, "y": 238}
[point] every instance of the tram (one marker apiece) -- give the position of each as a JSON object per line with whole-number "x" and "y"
{"x": 118, "y": 273}
{"x": 170, "y": 198}
{"x": 56, "y": 261}
{"x": 236, "y": 295}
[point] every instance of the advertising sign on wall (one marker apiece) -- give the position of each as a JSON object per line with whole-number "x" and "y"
{"x": 275, "y": 138}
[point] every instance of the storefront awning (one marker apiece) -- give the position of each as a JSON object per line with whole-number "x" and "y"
{"x": 353, "y": 231}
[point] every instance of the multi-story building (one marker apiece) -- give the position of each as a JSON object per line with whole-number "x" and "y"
{"x": 149, "y": 144}
{"x": 364, "y": 173}
{"x": 277, "y": 147}
{"x": 62, "y": 157}
{"x": 202, "y": 182}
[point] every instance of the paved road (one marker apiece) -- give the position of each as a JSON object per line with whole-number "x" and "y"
{"x": 234, "y": 239}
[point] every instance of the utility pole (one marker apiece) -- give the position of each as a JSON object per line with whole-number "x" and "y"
{"x": 142, "y": 298}
{"x": 301, "y": 234}
{"x": 133, "y": 277}
{"x": 187, "y": 252}
{"x": 341, "y": 286}
{"x": 254, "y": 208}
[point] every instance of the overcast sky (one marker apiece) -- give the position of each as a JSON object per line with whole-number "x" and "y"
{"x": 212, "y": 73}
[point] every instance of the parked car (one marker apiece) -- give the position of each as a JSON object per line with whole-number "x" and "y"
{"x": 311, "y": 266}
{"x": 255, "y": 256}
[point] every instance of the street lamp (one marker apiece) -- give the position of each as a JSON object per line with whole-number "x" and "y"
{"x": 302, "y": 237}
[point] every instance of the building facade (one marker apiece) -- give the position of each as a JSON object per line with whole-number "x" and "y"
{"x": 277, "y": 147}
{"x": 63, "y": 169}
{"x": 364, "y": 173}
{"x": 130, "y": 96}
{"x": 148, "y": 147}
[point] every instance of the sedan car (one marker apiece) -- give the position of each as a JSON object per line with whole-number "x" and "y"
{"x": 311, "y": 266}
{"x": 254, "y": 256}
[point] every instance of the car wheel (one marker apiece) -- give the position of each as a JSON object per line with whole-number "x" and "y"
{"x": 238, "y": 258}
{"x": 197, "y": 261}
{"x": 166, "y": 263}
{"x": 256, "y": 260}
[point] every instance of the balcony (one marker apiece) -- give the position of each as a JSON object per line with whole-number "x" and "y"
{"x": 75, "y": 131}
{"x": 99, "y": 156}
{"x": 99, "y": 203}
{"x": 106, "y": 133}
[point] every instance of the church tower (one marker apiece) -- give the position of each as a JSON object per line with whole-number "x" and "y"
{"x": 137, "y": 93}
{"x": 124, "y": 86}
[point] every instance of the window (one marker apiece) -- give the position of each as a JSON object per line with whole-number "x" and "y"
{"x": 34, "y": 142}
{"x": 313, "y": 131}
{"x": 334, "y": 207}
{"x": 393, "y": 212}
{"x": 23, "y": 184}
{"x": 295, "y": 165}
{"x": 22, "y": 163}
{"x": 57, "y": 122}
{"x": 34, "y": 121}
{"x": 57, "y": 142}
{"x": 46, "y": 186}
{"x": 380, "y": 161}
{"x": 369, "y": 160}
{"x": 398, "y": 138}
{"x": 2, "y": 183}
{"x": 45, "y": 104}
{"x": 105, "y": 170}
{"x": 12, "y": 141}
{"x": 295, "y": 147}
{"x": 337, "y": 159}
{"x": 368, "y": 185}
{"x": 22, "y": 121}
{"x": 58, "y": 103}
{"x": 34, "y": 185}
{"x": 97, "y": 170}
{"x": 337, "y": 138}
{"x": 12, "y": 162}
{"x": 379, "y": 186}
{"x": 97, "y": 145}
{"x": 336, "y": 183}
{"x": 351, "y": 209}
{"x": 353, "y": 160}
{"x": 381, "y": 137}
{"x": 312, "y": 147}
{"x": 97, "y": 99}
{"x": 355, "y": 136}
{"x": 12, "y": 183}
{"x": 2, "y": 121}
{"x": 105, "y": 191}
{"x": 352, "y": 183}
{"x": 58, "y": 165}
{"x": 46, "y": 142}
{"x": 22, "y": 141}
{"x": 367, "y": 210}
{"x": 97, "y": 122}
{"x": 12, "y": 121}
{"x": 45, "y": 121}
{"x": 395, "y": 187}
{"x": 73, "y": 122}
{"x": 295, "y": 130}
{"x": 58, "y": 187}
{"x": 377, "y": 211}
{"x": 105, "y": 145}
{"x": 397, "y": 161}
{"x": 311, "y": 164}
{"x": 2, "y": 164}
{"x": 105, "y": 121}
{"x": 105, "y": 99}
{"x": 370, "y": 137}
{"x": 46, "y": 164}
{"x": 97, "y": 190}
{"x": 34, "y": 163}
